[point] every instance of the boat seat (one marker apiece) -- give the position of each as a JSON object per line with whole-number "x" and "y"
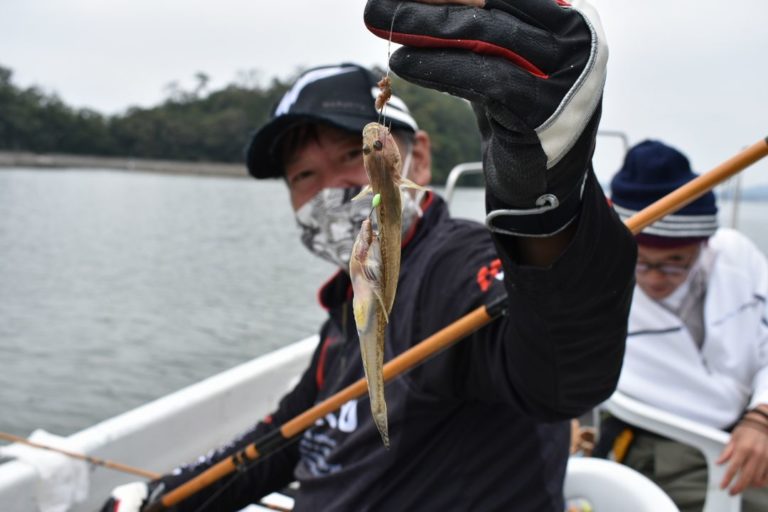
{"x": 710, "y": 441}
{"x": 609, "y": 486}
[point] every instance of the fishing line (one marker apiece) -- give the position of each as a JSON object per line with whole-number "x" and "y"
{"x": 382, "y": 115}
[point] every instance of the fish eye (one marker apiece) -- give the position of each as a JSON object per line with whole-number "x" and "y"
{"x": 367, "y": 149}
{"x": 377, "y": 145}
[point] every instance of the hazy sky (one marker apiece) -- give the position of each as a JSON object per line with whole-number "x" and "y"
{"x": 692, "y": 73}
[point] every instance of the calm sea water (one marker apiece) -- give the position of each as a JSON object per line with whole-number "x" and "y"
{"x": 117, "y": 288}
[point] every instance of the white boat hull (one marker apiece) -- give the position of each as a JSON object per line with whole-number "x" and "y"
{"x": 173, "y": 429}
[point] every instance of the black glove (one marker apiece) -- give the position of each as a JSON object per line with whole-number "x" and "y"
{"x": 534, "y": 71}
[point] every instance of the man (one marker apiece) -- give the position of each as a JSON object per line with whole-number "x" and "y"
{"x": 698, "y": 338}
{"x": 485, "y": 424}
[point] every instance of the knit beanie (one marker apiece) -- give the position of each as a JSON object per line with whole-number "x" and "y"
{"x": 652, "y": 170}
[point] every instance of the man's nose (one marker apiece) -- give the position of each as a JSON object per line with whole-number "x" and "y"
{"x": 655, "y": 275}
{"x": 336, "y": 181}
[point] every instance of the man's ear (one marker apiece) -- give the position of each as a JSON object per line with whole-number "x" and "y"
{"x": 421, "y": 160}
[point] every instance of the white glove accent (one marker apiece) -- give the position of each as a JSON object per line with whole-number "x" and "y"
{"x": 130, "y": 497}
{"x": 559, "y": 133}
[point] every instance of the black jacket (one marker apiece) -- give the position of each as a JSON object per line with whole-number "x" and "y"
{"x": 482, "y": 426}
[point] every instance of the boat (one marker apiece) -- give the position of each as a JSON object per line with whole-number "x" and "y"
{"x": 180, "y": 426}
{"x": 163, "y": 433}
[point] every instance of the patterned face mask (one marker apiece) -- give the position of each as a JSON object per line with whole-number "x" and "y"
{"x": 330, "y": 221}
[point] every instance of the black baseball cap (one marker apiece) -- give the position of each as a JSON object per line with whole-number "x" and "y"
{"x": 342, "y": 95}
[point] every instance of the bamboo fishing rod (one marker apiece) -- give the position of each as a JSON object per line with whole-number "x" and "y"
{"x": 117, "y": 466}
{"x": 444, "y": 338}
{"x": 96, "y": 461}
{"x": 276, "y": 439}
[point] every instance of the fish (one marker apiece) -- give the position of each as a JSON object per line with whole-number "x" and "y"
{"x": 371, "y": 318}
{"x": 375, "y": 261}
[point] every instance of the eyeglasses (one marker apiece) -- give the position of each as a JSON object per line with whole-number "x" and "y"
{"x": 667, "y": 269}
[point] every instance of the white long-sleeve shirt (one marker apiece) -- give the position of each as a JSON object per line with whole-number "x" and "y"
{"x": 664, "y": 366}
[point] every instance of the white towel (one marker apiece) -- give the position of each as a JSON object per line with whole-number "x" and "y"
{"x": 62, "y": 481}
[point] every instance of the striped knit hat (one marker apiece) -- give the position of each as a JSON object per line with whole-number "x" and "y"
{"x": 651, "y": 170}
{"x": 342, "y": 95}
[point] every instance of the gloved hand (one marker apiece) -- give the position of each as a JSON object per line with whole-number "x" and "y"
{"x": 534, "y": 71}
{"x": 133, "y": 497}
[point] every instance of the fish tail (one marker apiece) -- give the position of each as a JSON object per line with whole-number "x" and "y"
{"x": 379, "y": 406}
{"x": 372, "y": 351}
{"x": 381, "y": 423}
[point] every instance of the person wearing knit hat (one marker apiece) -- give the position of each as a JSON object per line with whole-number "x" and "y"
{"x": 652, "y": 170}
{"x": 485, "y": 424}
{"x": 697, "y": 344}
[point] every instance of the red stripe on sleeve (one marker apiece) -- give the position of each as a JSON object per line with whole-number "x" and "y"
{"x": 320, "y": 372}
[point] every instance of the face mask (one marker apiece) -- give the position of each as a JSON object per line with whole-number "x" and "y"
{"x": 330, "y": 221}
{"x": 411, "y": 202}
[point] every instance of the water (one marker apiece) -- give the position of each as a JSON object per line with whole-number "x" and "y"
{"x": 751, "y": 216}
{"x": 117, "y": 288}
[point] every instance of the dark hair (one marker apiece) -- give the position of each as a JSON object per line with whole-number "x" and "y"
{"x": 293, "y": 139}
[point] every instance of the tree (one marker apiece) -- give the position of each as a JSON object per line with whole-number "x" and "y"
{"x": 203, "y": 125}
{"x": 202, "y": 83}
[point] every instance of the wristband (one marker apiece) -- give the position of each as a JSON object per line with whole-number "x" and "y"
{"x": 759, "y": 411}
{"x": 747, "y": 422}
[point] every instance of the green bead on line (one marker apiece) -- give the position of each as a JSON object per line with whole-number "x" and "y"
{"x": 376, "y": 200}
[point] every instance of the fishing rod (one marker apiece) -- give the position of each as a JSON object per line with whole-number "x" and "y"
{"x": 461, "y": 328}
{"x": 109, "y": 464}
{"x": 96, "y": 461}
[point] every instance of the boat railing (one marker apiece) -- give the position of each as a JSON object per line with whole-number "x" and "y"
{"x": 465, "y": 169}
{"x": 474, "y": 168}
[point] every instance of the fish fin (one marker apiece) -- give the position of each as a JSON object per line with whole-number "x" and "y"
{"x": 406, "y": 183}
{"x": 366, "y": 190}
{"x": 363, "y": 312}
{"x": 381, "y": 303}
{"x": 371, "y": 272}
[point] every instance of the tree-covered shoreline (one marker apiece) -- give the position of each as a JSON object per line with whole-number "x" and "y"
{"x": 200, "y": 126}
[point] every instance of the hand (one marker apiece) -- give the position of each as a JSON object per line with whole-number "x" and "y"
{"x": 747, "y": 452}
{"x": 534, "y": 71}
{"x": 127, "y": 498}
